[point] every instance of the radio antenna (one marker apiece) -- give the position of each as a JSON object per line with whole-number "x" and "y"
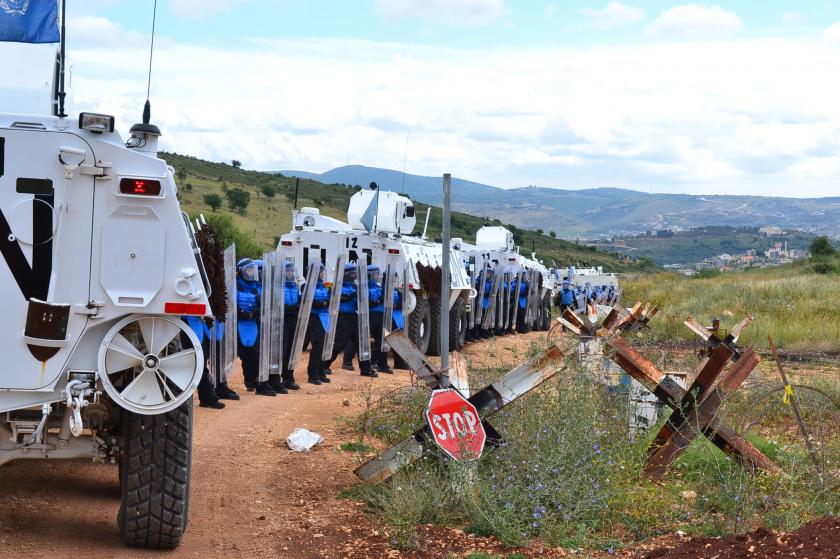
{"x": 63, "y": 56}
{"x": 147, "y": 109}
{"x": 405, "y": 158}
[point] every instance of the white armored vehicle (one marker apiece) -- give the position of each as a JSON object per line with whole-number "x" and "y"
{"x": 376, "y": 232}
{"x": 99, "y": 266}
{"x": 495, "y": 249}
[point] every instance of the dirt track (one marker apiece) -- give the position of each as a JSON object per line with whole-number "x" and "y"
{"x": 251, "y": 496}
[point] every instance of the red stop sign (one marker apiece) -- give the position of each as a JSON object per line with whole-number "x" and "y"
{"x": 455, "y": 425}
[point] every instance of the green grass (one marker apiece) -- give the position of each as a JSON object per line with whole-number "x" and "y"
{"x": 355, "y": 447}
{"x": 796, "y": 306}
{"x": 569, "y": 474}
{"x": 267, "y": 218}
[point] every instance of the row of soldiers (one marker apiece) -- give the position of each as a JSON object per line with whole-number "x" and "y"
{"x": 249, "y": 293}
{"x": 505, "y": 317}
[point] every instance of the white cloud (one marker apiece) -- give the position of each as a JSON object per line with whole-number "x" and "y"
{"x": 693, "y": 21}
{"x": 200, "y": 9}
{"x": 832, "y": 34}
{"x": 747, "y": 116}
{"x": 614, "y": 14}
{"x": 471, "y": 12}
{"x": 792, "y": 17}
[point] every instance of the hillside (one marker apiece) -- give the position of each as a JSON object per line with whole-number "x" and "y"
{"x": 792, "y": 303}
{"x": 271, "y": 200}
{"x": 694, "y": 245}
{"x": 603, "y": 211}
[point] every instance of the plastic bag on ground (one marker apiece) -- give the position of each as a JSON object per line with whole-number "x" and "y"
{"x": 302, "y": 440}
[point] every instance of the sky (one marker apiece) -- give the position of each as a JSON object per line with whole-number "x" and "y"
{"x": 738, "y": 97}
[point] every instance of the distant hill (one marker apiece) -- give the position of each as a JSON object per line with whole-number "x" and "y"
{"x": 271, "y": 200}
{"x": 592, "y": 213}
{"x": 694, "y": 245}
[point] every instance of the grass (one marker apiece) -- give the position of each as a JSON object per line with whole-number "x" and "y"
{"x": 794, "y": 304}
{"x": 569, "y": 473}
{"x": 268, "y": 217}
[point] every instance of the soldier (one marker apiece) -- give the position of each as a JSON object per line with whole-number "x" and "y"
{"x": 207, "y": 397}
{"x": 567, "y": 296}
{"x": 484, "y": 285}
{"x": 291, "y": 306}
{"x": 376, "y": 300}
{"x": 521, "y": 326}
{"x": 347, "y": 329}
{"x": 319, "y": 325}
{"x": 248, "y": 295}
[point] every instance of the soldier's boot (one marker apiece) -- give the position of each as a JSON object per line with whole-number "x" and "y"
{"x": 277, "y": 384}
{"x": 265, "y": 389}
{"x": 224, "y": 392}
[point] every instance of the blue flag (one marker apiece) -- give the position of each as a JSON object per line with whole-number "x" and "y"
{"x": 29, "y": 21}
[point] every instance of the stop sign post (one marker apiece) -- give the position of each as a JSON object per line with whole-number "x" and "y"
{"x": 455, "y": 424}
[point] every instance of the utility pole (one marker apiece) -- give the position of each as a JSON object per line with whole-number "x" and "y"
{"x": 444, "y": 281}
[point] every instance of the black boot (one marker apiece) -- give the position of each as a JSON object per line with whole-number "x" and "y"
{"x": 324, "y": 378}
{"x": 347, "y": 366}
{"x": 214, "y": 404}
{"x": 314, "y": 380}
{"x": 224, "y": 392}
{"x": 277, "y": 384}
{"x": 265, "y": 389}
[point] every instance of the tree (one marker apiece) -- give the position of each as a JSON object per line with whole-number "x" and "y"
{"x": 552, "y": 234}
{"x": 821, "y": 246}
{"x": 214, "y": 201}
{"x": 188, "y": 186}
{"x": 181, "y": 175}
{"x": 267, "y": 191}
{"x": 236, "y": 164}
{"x": 238, "y": 200}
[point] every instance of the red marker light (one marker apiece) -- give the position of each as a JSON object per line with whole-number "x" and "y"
{"x": 393, "y": 251}
{"x": 286, "y": 243}
{"x": 140, "y": 187}
{"x": 198, "y": 309}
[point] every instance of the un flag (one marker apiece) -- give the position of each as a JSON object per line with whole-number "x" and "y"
{"x": 29, "y": 21}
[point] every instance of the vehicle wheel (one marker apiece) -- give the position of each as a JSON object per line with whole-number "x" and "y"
{"x": 419, "y": 325}
{"x": 434, "y": 330}
{"x": 155, "y": 477}
{"x": 458, "y": 324}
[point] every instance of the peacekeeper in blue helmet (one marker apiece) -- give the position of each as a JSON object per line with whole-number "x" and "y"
{"x": 291, "y": 308}
{"x": 248, "y": 301}
{"x": 522, "y": 299}
{"x": 376, "y": 300}
{"x": 347, "y": 329}
{"x": 484, "y": 285}
{"x": 567, "y": 296}
{"x": 319, "y": 325}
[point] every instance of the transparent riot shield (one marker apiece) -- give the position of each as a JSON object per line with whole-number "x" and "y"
{"x": 515, "y": 312}
{"x": 335, "y": 301}
{"x": 278, "y": 311}
{"x": 228, "y": 357}
{"x": 505, "y": 308}
{"x": 388, "y": 315}
{"x": 405, "y": 292}
{"x": 303, "y": 312}
{"x": 214, "y": 354}
{"x": 266, "y": 307}
{"x": 363, "y": 311}
{"x": 533, "y": 296}
{"x": 479, "y": 309}
{"x": 488, "y": 320}
{"x": 471, "y": 276}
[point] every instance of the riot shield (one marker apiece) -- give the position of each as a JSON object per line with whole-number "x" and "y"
{"x": 471, "y": 276}
{"x": 228, "y": 349}
{"x": 504, "y": 315}
{"x": 488, "y": 320}
{"x": 405, "y": 292}
{"x": 363, "y": 311}
{"x": 388, "y": 315}
{"x": 335, "y": 301}
{"x": 266, "y": 308}
{"x": 534, "y": 296}
{"x": 304, "y": 309}
{"x": 479, "y": 309}
{"x": 515, "y": 313}
{"x": 214, "y": 354}
{"x": 278, "y": 311}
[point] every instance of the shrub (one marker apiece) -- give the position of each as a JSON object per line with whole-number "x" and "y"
{"x": 214, "y": 201}
{"x": 238, "y": 200}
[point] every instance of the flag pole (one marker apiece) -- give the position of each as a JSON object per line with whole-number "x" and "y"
{"x": 62, "y": 60}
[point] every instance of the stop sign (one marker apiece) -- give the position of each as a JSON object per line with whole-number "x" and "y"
{"x": 455, "y": 425}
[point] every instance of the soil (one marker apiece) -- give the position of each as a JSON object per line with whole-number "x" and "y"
{"x": 817, "y": 540}
{"x": 251, "y": 496}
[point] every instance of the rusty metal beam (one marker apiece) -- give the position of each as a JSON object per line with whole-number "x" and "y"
{"x": 424, "y": 369}
{"x": 514, "y": 384}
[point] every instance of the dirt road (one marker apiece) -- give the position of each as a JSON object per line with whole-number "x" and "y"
{"x": 251, "y": 496}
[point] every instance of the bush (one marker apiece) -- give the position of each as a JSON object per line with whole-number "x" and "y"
{"x": 268, "y": 191}
{"x": 821, "y": 246}
{"x": 228, "y": 233}
{"x": 238, "y": 200}
{"x": 214, "y": 201}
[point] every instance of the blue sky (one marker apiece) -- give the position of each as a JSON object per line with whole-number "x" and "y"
{"x": 657, "y": 95}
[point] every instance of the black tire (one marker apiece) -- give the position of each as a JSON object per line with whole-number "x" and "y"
{"x": 155, "y": 478}
{"x": 458, "y": 324}
{"x": 420, "y": 325}
{"x": 434, "y": 330}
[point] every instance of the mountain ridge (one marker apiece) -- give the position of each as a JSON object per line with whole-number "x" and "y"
{"x": 596, "y": 212}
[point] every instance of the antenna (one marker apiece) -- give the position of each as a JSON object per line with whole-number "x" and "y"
{"x": 405, "y": 158}
{"x": 428, "y": 211}
{"x": 145, "y": 135}
{"x": 297, "y": 185}
{"x": 63, "y": 61}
